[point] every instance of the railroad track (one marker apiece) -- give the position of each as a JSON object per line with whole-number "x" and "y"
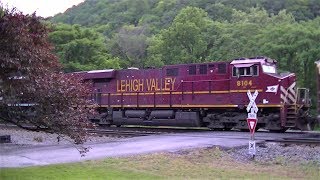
{"x": 311, "y": 140}
{"x": 142, "y": 131}
{"x": 303, "y": 139}
{"x": 121, "y": 133}
{"x": 133, "y": 131}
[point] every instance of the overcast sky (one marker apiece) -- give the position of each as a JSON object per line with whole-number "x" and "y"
{"x": 43, "y": 8}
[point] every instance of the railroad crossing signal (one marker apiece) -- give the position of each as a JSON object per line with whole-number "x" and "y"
{"x": 252, "y": 104}
{"x": 252, "y": 123}
{"x": 252, "y": 148}
{"x": 252, "y": 120}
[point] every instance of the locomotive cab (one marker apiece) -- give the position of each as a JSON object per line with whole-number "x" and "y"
{"x": 251, "y": 67}
{"x": 281, "y": 104}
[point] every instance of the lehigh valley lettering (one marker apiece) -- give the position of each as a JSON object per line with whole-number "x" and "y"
{"x": 153, "y": 84}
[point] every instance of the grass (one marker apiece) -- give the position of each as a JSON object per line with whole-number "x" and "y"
{"x": 86, "y": 170}
{"x": 211, "y": 163}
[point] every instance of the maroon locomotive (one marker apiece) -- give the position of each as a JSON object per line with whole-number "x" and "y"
{"x": 212, "y": 94}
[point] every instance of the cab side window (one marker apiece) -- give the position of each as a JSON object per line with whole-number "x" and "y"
{"x": 255, "y": 70}
{"x": 235, "y": 71}
{"x": 245, "y": 71}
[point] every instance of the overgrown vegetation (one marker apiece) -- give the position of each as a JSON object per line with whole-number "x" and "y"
{"x": 33, "y": 89}
{"x": 144, "y": 33}
{"x": 211, "y": 163}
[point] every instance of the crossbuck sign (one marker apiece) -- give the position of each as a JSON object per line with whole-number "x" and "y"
{"x": 252, "y": 120}
{"x": 252, "y": 104}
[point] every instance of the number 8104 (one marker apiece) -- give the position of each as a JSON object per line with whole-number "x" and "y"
{"x": 244, "y": 83}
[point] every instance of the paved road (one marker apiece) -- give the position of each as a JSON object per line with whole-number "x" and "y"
{"x": 54, "y": 154}
{"x": 44, "y": 155}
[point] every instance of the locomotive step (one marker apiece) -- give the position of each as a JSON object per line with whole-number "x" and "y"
{"x": 291, "y": 113}
{"x": 292, "y": 117}
{"x": 290, "y": 125}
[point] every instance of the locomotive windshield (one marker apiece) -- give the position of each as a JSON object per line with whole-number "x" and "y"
{"x": 251, "y": 66}
{"x": 269, "y": 69}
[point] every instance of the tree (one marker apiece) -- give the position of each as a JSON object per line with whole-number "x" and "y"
{"x": 185, "y": 40}
{"x": 296, "y": 46}
{"x": 81, "y": 48}
{"x": 130, "y": 45}
{"x": 240, "y": 36}
{"x": 219, "y": 12}
{"x": 33, "y": 90}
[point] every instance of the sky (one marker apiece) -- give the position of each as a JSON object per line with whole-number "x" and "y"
{"x": 44, "y": 8}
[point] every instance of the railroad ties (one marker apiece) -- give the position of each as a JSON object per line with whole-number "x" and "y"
{"x": 121, "y": 132}
{"x": 139, "y": 131}
{"x": 311, "y": 139}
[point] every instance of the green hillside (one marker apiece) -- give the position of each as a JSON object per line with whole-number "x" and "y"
{"x": 160, "y": 13}
{"x": 100, "y": 34}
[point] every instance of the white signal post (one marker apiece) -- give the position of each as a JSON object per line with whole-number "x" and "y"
{"x": 252, "y": 120}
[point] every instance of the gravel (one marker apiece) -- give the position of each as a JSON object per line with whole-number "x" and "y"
{"x": 20, "y": 136}
{"x": 275, "y": 153}
{"x": 21, "y": 139}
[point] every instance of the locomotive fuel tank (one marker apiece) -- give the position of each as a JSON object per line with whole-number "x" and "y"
{"x": 135, "y": 114}
{"x": 162, "y": 114}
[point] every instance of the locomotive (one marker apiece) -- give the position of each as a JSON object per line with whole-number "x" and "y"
{"x": 212, "y": 94}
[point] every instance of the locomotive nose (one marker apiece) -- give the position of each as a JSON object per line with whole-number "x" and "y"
{"x": 288, "y": 93}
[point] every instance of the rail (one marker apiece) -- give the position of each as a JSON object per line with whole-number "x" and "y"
{"x": 298, "y": 141}
{"x": 120, "y": 133}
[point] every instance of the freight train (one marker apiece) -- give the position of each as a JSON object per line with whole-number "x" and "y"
{"x": 212, "y": 95}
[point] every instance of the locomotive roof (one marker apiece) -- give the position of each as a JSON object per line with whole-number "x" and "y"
{"x": 110, "y": 73}
{"x": 97, "y": 74}
{"x": 101, "y": 71}
{"x": 260, "y": 60}
{"x": 211, "y": 62}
